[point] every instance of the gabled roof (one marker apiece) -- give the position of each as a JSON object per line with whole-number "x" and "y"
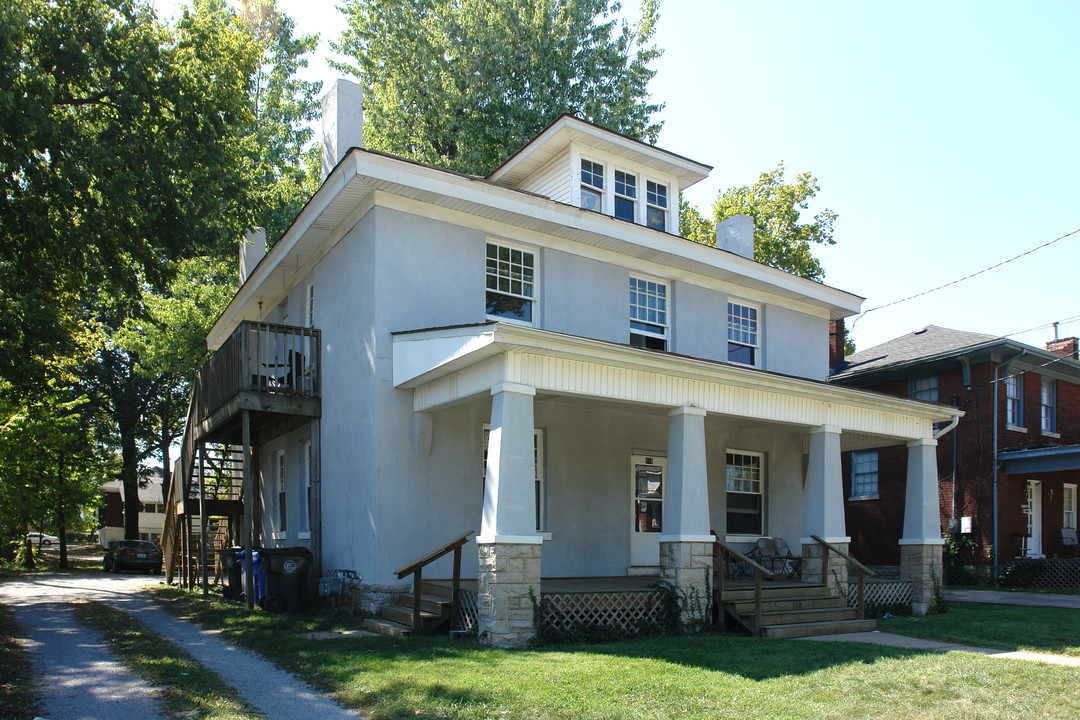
{"x": 927, "y": 349}
{"x": 566, "y": 129}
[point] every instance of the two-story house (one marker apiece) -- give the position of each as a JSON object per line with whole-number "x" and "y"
{"x": 536, "y": 355}
{"x": 151, "y": 510}
{"x": 1009, "y": 472}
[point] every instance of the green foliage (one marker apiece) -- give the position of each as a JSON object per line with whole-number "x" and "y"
{"x": 461, "y": 84}
{"x": 963, "y": 558}
{"x": 1020, "y": 573}
{"x": 780, "y": 239}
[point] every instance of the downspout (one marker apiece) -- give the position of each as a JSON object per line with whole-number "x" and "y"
{"x": 997, "y": 465}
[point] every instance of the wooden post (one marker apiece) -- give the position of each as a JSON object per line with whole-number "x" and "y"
{"x": 455, "y": 589}
{"x": 315, "y": 508}
{"x": 249, "y": 500}
{"x": 188, "y": 579}
{"x": 202, "y": 519}
{"x": 757, "y": 603}
{"x": 825, "y": 565}
{"x": 862, "y": 594}
{"x": 416, "y": 601}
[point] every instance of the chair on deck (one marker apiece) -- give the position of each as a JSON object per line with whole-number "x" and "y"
{"x": 1068, "y": 539}
{"x": 790, "y": 563}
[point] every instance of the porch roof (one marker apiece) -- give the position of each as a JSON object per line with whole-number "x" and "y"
{"x": 1036, "y": 460}
{"x": 444, "y": 366}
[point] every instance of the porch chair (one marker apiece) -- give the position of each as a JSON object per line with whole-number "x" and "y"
{"x": 790, "y": 564}
{"x": 1068, "y": 539}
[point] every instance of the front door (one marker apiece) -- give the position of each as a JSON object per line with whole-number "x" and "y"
{"x": 1033, "y": 510}
{"x": 647, "y": 489}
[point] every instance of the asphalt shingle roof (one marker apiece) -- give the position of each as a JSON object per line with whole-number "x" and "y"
{"x": 932, "y": 341}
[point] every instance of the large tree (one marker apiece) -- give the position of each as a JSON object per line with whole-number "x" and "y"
{"x": 781, "y": 238}
{"x": 461, "y": 84}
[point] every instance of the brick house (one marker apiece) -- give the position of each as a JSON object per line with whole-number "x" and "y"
{"x": 1008, "y": 473}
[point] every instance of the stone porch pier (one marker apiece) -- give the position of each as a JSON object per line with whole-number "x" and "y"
{"x": 825, "y": 511}
{"x": 922, "y": 544}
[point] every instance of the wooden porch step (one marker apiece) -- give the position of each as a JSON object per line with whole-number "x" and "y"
{"x": 817, "y": 615}
{"x": 434, "y": 604}
{"x": 386, "y": 627}
{"x": 437, "y": 588}
{"x": 791, "y": 590}
{"x": 806, "y": 629}
{"x": 811, "y": 602}
{"x": 402, "y": 614}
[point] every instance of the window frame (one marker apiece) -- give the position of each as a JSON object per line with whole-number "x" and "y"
{"x": 538, "y": 470}
{"x": 857, "y": 483}
{"x": 305, "y": 490}
{"x": 761, "y": 494}
{"x": 1048, "y": 407}
{"x": 650, "y": 193}
{"x": 925, "y": 393}
{"x": 1014, "y": 400}
{"x": 532, "y": 283}
{"x": 1068, "y": 513}
{"x": 754, "y": 347}
{"x": 589, "y": 187}
{"x": 644, "y": 332}
{"x": 309, "y": 300}
{"x": 282, "y": 491}
{"x": 629, "y": 181}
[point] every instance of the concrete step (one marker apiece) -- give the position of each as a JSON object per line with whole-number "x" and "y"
{"x": 386, "y": 627}
{"x": 806, "y": 629}
{"x": 790, "y": 603}
{"x": 433, "y": 604}
{"x": 787, "y": 617}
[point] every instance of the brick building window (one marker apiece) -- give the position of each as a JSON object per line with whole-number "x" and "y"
{"x": 1014, "y": 400}
{"x": 924, "y": 388}
{"x": 1049, "y": 405}
{"x": 1068, "y": 499}
{"x": 864, "y": 474}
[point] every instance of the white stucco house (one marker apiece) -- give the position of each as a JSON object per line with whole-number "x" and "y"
{"x": 537, "y": 356}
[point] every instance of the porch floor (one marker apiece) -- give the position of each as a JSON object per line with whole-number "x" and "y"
{"x": 614, "y": 584}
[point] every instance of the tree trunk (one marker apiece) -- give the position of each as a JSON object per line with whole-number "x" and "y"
{"x": 61, "y": 515}
{"x": 129, "y": 475}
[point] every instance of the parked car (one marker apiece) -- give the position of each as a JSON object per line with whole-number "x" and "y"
{"x": 42, "y": 539}
{"x": 132, "y": 555}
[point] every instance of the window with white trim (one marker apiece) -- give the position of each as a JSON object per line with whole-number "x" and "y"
{"x": 1049, "y": 405}
{"x": 656, "y": 204}
{"x": 511, "y": 282}
{"x": 310, "y": 305}
{"x": 864, "y": 474}
{"x": 648, "y": 313}
{"x": 1014, "y": 406}
{"x": 625, "y": 195}
{"x": 281, "y": 491}
{"x": 742, "y": 329}
{"x": 924, "y": 388}
{"x": 592, "y": 185}
{"x": 538, "y": 470}
{"x": 745, "y": 493}
{"x": 305, "y": 487}
{"x": 1068, "y": 499}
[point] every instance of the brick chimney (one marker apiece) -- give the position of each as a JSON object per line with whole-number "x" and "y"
{"x": 836, "y": 343}
{"x": 1064, "y": 346}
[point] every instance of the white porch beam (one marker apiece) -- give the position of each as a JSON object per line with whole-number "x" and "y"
{"x": 509, "y": 493}
{"x": 686, "y": 497}
{"x": 825, "y": 488}
{"x": 922, "y": 523}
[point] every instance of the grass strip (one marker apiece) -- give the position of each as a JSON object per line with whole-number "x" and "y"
{"x": 186, "y": 686}
{"x": 693, "y": 676}
{"x": 19, "y": 699}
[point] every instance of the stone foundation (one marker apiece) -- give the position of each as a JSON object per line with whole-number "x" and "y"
{"x": 508, "y": 571}
{"x": 835, "y": 576}
{"x": 921, "y": 564}
{"x": 688, "y": 567}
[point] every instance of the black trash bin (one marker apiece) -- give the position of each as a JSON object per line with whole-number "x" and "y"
{"x": 286, "y": 578}
{"x": 232, "y": 572}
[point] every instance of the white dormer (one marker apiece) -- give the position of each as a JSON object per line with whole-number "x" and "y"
{"x": 578, "y": 163}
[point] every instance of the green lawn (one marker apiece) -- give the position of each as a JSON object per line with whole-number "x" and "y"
{"x": 704, "y": 676}
{"x": 1048, "y": 630}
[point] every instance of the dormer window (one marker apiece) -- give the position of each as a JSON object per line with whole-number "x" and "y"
{"x": 592, "y": 185}
{"x": 656, "y": 205}
{"x": 625, "y": 195}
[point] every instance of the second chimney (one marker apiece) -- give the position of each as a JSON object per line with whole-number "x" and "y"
{"x": 1064, "y": 346}
{"x": 342, "y": 122}
{"x": 736, "y": 234}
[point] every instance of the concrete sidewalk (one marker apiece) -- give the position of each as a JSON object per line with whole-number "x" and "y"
{"x": 877, "y": 637}
{"x": 1005, "y": 597}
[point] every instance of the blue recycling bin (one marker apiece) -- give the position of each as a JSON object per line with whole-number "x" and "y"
{"x": 258, "y": 575}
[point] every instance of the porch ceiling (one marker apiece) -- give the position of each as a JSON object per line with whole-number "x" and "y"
{"x": 449, "y": 365}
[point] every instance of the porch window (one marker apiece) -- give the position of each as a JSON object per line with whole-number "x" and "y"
{"x": 310, "y": 294}
{"x": 864, "y": 475}
{"x": 745, "y": 493}
{"x": 924, "y": 388}
{"x": 305, "y": 488}
{"x": 510, "y": 282}
{"x": 592, "y": 185}
{"x": 625, "y": 195}
{"x": 656, "y": 205}
{"x": 1014, "y": 406}
{"x": 281, "y": 487}
{"x": 742, "y": 332}
{"x": 1049, "y": 405}
{"x": 538, "y": 470}
{"x": 648, "y": 314}
{"x": 1068, "y": 499}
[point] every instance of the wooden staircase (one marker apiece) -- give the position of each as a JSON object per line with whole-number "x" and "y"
{"x": 793, "y": 609}
{"x": 436, "y": 611}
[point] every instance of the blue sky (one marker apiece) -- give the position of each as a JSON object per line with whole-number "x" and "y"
{"x": 946, "y": 135}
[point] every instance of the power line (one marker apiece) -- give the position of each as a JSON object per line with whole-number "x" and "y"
{"x": 966, "y": 277}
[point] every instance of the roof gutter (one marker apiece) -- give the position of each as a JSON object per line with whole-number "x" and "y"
{"x": 997, "y": 463}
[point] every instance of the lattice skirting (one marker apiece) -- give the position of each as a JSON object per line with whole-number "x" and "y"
{"x": 1057, "y": 573}
{"x": 468, "y": 617}
{"x": 882, "y": 595}
{"x": 628, "y": 612}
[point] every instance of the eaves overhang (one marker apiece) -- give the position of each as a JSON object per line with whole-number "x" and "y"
{"x": 357, "y": 181}
{"x": 1038, "y": 460}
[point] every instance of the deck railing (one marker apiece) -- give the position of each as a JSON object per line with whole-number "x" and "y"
{"x": 862, "y": 570}
{"x": 416, "y": 569}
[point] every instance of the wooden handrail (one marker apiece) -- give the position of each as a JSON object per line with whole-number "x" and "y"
{"x": 859, "y": 567}
{"x": 739, "y": 556}
{"x": 761, "y": 572}
{"x": 416, "y": 569}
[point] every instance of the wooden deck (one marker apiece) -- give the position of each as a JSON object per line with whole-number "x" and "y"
{"x": 616, "y": 584}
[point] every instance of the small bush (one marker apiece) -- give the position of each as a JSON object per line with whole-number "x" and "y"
{"x": 1021, "y": 574}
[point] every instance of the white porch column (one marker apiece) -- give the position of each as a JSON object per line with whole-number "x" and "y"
{"x": 686, "y": 545}
{"x": 825, "y": 509}
{"x": 921, "y": 545}
{"x": 509, "y": 546}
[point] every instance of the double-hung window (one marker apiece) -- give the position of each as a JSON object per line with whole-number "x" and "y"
{"x": 281, "y": 488}
{"x": 924, "y": 388}
{"x": 656, "y": 204}
{"x": 745, "y": 493}
{"x": 864, "y": 474}
{"x": 648, "y": 313}
{"x": 592, "y": 185}
{"x": 625, "y": 195}
{"x": 1014, "y": 406}
{"x": 1049, "y": 405}
{"x": 1068, "y": 498}
{"x": 511, "y": 282}
{"x": 311, "y": 305}
{"x": 742, "y": 329}
{"x": 305, "y": 488}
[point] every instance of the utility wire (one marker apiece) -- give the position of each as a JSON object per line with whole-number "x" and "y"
{"x": 966, "y": 277}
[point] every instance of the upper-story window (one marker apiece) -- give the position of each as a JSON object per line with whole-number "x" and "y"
{"x": 592, "y": 185}
{"x": 742, "y": 332}
{"x": 1014, "y": 410}
{"x": 924, "y": 388}
{"x": 625, "y": 195}
{"x": 864, "y": 474}
{"x": 656, "y": 205}
{"x": 311, "y": 305}
{"x": 648, "y": 314}
{"x": 511, "y": 282}
{"x": 1049, "y": 405}
{"x": 281, "y": 491}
